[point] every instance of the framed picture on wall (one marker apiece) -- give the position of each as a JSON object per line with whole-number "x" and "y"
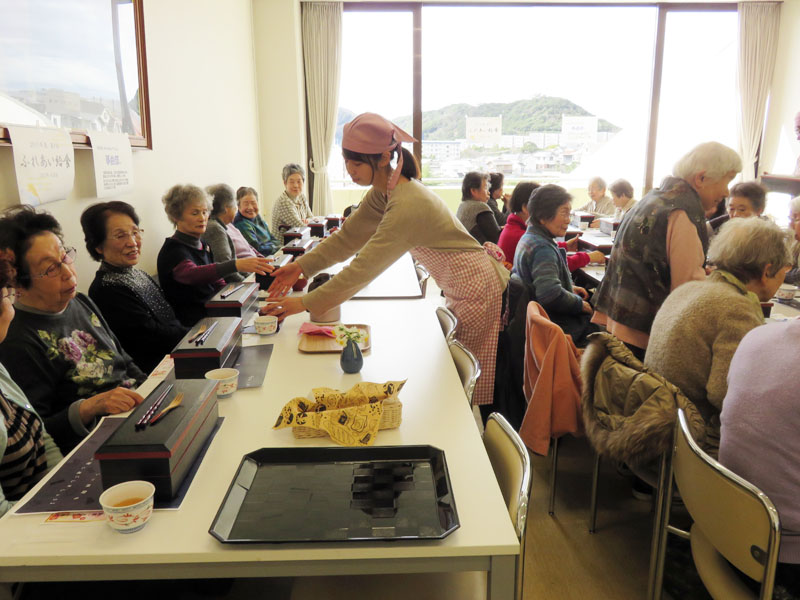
{"x": 75, "y": 64}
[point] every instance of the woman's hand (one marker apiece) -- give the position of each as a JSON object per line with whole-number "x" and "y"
{"x": 587, "y": 308}
{"x": 595, "y": 224}
{"x": 112, "y": 402}
{"x": 284, "y": 308}
{"x": 254, "y": 264}
{"x": 581, "y": 292}
{"x": 572, "y": 243}
{"x": 597, "y": 257}
{"x": 283, "y": 279}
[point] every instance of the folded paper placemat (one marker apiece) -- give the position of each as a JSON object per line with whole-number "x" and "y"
{"x": 350, "y": 418}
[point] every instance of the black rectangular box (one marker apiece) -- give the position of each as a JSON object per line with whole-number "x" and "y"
{"x": 221, "y": 349}
{"x": 264, "y": 281}
{"x": 579, "y": 216}
{"x": 296, "y": 233}
{"x": 332, "y": 221}
{"x": 317, "y": 227}
{"x": 241, "y": 303}
{"x": 299, "y": 247}
{"x": 162, "y": 453}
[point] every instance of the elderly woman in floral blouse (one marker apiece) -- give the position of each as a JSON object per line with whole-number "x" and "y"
{"x": 59, "y": 349}
{"x": 291, "y": 208}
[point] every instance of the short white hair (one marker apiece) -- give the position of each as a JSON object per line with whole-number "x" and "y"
{"x": 794, "y": 205}
{"x": 713, "y": 158}
{"x": 744, "y": 247}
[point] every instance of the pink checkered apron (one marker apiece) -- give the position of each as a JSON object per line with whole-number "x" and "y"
{"x": 474, "y": 293}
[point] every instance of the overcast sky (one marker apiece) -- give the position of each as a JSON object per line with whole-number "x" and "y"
{"x": 70, "y": 42}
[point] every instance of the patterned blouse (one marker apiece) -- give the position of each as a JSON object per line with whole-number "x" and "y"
{"x": 24, "y": 461}
{"x": 289, "y": 212}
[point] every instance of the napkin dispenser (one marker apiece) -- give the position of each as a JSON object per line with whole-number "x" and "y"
{"x": 241, "y": 302}
{"x": 299, "y": 247}
{"x": 582, "y": 219}
{"x": 163, "y": 453}
{"x": 296, "y": 233}
{"x": 317, "y": 227}
{"x": 220, "y": 349}
{"x": 264, "y": 281}
{"x": 609, "y": 225}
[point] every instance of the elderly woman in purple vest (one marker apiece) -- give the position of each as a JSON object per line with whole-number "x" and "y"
{"x": 662, "y": 243}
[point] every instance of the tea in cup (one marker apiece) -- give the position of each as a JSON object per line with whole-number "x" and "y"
{"x": 266, "y": 324}
{"x": 228, "y": 381}
{"x": 128, "y": 505}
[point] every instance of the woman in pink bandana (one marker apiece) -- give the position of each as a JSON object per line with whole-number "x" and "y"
{"x": 398, "y": 215}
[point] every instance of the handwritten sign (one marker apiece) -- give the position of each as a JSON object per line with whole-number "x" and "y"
{"x": 44, "y": 161}
{"x": 113, "y": 163}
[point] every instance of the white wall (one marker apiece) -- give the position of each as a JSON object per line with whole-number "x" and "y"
{"x": 204, "y": 120}
{"x": 281, "y": 92}
{"x": 780, "y": 147}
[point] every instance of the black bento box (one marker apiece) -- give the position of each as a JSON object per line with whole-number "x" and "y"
{"x": 221, "y": 349}
{"x": 239, "y": 303}
{"x": 162, "y": 453}
{"x": 264, "y": 281}
{"x": 296, "y": 233}
{"x": 332, "y": 221}
{"x": 317, "y": 227}
{"x": 299, "y": 247}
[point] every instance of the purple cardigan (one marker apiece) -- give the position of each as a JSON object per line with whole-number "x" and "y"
{"x": 760, "y": 419}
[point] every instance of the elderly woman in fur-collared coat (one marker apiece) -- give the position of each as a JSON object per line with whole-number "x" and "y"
{"x": 701, "y": 323}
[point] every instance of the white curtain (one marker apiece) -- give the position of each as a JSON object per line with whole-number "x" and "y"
{"x": 759, "y": 23}
{"x": 322, "y": 57}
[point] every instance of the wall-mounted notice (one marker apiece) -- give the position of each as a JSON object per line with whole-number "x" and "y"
{"x": 44, "y": 161}
{"x": 113, "y": 163}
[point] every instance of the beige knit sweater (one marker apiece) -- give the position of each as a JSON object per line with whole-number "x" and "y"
{"x": 381, "y": 231}
{"x": 694, "y": 335}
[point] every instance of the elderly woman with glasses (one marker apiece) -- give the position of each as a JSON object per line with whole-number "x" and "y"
{"x": 130, "y": 300}
{"x": 253, "y": 227}
{"x": 59, "y": 349}
{"x": 701, "y": 323}
{"x": 291, "y": 208}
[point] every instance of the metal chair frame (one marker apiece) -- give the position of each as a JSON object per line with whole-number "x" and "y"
{"x": 468, "y": 367}
{"x": 447, "y": 321}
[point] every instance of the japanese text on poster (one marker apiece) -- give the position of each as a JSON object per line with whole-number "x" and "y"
{"x": 113, "y": 163}
{"x": 44, "y": 161}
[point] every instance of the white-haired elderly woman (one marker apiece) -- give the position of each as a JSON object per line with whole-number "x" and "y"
{"x": 291, "y": 208}
{"x": 662, "y": 243}
{"x": 186, "y": 268}
{"x": 793, "y": 276}
{"x": 701, "y": 323}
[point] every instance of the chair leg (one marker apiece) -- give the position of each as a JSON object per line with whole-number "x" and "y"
{"x": 553, "y": 470}
{"x": 658, "y": 545}
{"x": 595, "y": 485}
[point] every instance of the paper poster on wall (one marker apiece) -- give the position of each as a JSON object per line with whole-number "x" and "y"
{"x": 113, "y": 163}
{"x": 44, "y": 161}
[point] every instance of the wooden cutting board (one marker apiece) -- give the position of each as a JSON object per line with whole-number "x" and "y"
{"x": 323, "y": 343}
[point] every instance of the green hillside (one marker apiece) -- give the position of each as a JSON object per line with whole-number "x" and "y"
{"x": 541, "y": 113}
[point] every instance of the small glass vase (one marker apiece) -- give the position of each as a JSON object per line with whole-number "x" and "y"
{"x": 352, "y": 360}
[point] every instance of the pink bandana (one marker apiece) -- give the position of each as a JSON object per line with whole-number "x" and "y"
{"x": 369, "y": 133}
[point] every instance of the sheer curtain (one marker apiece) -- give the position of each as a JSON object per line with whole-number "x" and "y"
{"x": 322, "y": 57}
{"x": 759, "y": 23}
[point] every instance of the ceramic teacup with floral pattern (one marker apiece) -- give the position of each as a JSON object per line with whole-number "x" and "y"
{"x": 128, "y": 505}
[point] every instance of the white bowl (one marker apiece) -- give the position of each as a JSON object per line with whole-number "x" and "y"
{"x": 128, "y": 505}
{"x": 786, "y": 292}
{"x": 266, "y": 324}
{"x": 228, "y": 381}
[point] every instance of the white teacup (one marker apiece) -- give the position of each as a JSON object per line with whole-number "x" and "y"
{"x": 583, "y": 225}
{"x": 228, "y": 381}
{"x": 128, "y": 505}
{"x": 266, "y": 324}
{"x": 786, "y": 292}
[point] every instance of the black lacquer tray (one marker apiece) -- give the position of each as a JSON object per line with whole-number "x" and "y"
{"x": 338, "y": 494}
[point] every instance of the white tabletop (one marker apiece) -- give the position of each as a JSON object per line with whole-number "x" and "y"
{"x": 176, "y": 544}
{"x": 398, "y": 281}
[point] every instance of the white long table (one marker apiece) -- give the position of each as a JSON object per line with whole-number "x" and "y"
{"x": 176, "y": 544}
{"x": 398, "y": 281}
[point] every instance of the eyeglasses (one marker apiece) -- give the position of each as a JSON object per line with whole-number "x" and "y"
{"x": 67, "y": 258}
{"x": 9, "y": 293}
{"x": 122, "y": 236}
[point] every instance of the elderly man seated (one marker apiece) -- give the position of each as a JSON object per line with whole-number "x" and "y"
{"x": 701, "y": 323}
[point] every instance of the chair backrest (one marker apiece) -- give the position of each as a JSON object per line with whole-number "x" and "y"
{"x": 734, "y": 516}
{"x": 467, "y": 366}
{"x": 422, "y": 277}
{"x": 447, "y": 321}
{"x": 512, "y": 468}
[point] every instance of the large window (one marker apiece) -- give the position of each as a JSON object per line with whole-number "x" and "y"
{"x": 550, "y": 93}
{"x": 376, "y": 77}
